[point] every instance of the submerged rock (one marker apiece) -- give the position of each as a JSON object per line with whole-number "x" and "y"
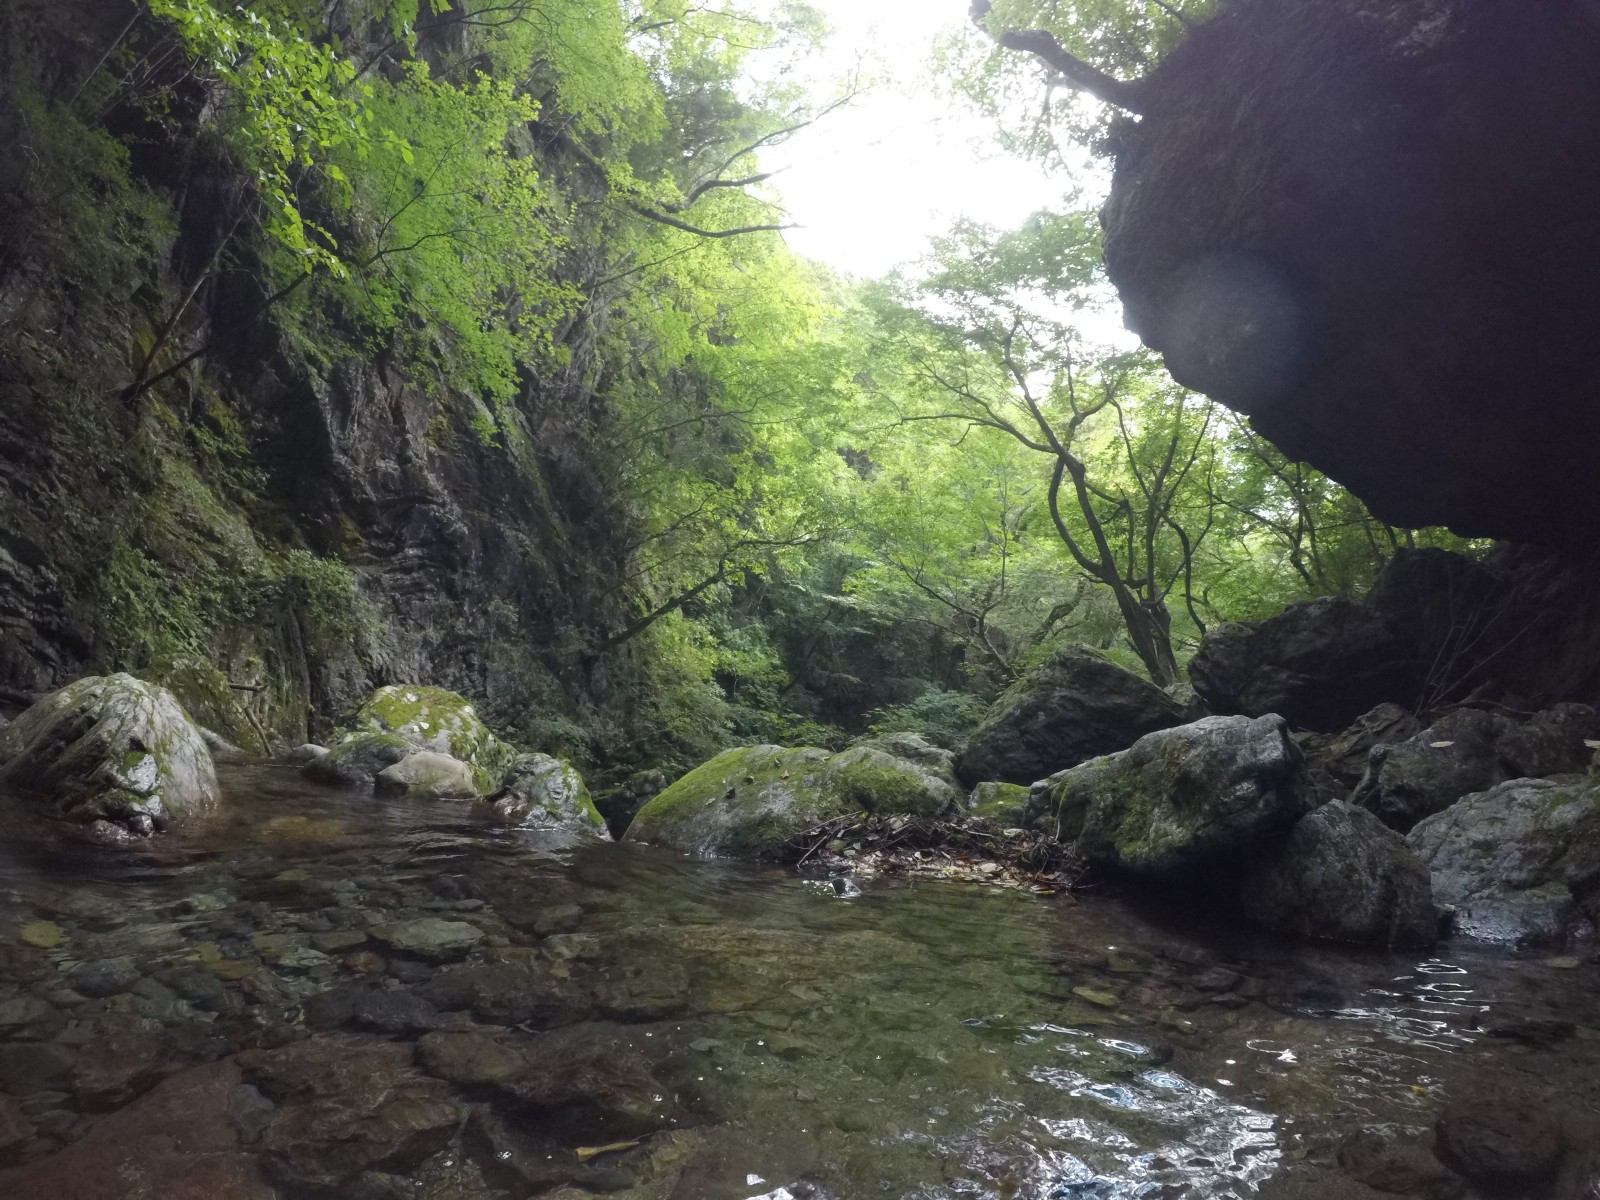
{"x": 1319, "y": 664}
{"x": 542, "y": 792}
{"x": 343, "y": 1107}
{"x": 1180, "y": 802}
{"x": 429, "y": 775}
{"x": 1433, "y": 769}
{"x": 1508, "y": 1145}
{"x": 1072, "y": 707}
{"x": 1341, "y": 874}
{"x": 1520, "y": 862}
{"x": 114, "y": 749}
{"x": 751, "y": 802}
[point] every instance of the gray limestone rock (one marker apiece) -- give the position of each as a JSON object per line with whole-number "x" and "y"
{"x": 1431, "y": 770}
{"x": 542, "y": 792}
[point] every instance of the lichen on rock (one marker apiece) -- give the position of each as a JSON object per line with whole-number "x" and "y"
{"x": 114, "y": 749}
{"x": 1178, "y": 803}
{"x": 542, "y": 792}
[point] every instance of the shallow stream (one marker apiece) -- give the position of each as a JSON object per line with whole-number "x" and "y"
{"x": 744, "y": 1032}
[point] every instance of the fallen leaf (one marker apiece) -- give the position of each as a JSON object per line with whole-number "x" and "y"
{"x": 585, "y": 1153}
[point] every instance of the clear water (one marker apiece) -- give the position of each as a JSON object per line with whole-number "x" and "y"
{"x": 916, "y": 1040}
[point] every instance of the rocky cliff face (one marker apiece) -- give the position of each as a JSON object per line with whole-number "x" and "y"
{"x": 293, "y": 509}
{"x": 1369, "y": 224}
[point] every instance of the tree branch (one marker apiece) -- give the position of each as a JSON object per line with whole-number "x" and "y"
{"x": 1080, "y": 75}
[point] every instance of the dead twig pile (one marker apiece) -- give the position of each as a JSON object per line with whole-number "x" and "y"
{"x": 958, "y": 849}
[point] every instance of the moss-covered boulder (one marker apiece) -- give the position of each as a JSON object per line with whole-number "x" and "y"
{"x": 1180, "y": 803}
{"x": 210, "y": 701}
{"x": 111, "y": 748}
{"x": 431, "y": 718}
{"x": 542, "y": 792}
{"x": 754, "y": 801}
{"x": 358, "y": 759}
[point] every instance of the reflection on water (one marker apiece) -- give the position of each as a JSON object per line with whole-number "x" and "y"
{"x": 925, "y": 1041}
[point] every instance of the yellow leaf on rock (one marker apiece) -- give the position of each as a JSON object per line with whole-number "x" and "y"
{"x": 46, "y": 935}
{"x": 585, "y": 1153}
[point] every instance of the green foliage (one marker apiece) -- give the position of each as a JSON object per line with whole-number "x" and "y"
{"x": 943, "y": 718}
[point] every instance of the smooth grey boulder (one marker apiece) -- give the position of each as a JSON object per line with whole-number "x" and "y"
{"x": 1344, "y": 876}
{"x": 304, "y": 753}
{"x": 1431, "y": 770}
{"x": 1179, "y": 803}
{"x": 542, "y": 792}
{"x": 754, "y": 801}
{"x": 111, "y": 749}
{"x": 1519, "y": 862}
{"x": 428, "y": 775}
{"x": 1320, "y": 664}
{"x": 357, "y": 761}
{"x": 1073, "y": 706}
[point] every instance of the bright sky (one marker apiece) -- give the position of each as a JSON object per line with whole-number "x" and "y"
{"x": 872, "y": 182}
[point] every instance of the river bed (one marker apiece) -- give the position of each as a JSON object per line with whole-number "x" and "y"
{"x": 690, "y": 1029}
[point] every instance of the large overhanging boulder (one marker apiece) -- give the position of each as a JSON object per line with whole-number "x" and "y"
{"x": 1370, "y": 225}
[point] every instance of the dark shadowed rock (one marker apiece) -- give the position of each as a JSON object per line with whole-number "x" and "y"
{"x": 344, "y": 1107}
{"x": 1341, "y": 874}
{"x": 1319, "y": 664}
{"x": 1070, "y": 708}
{"x": 1553, "y": 741}
{"x": 1431, "y": 770}
{"x": 592, "y": 1079}
{"x": 1398, "y": 1165}
{"x": 541, "y": 792}
{"x": 357, "y": 761}
{"x": 1520, "y": 862}
{"x": 1344, "y": 755}
{"x": 1181, "y": 802}
{"x": 1508, "y": 1145}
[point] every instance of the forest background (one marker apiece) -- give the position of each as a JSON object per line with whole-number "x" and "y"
{"x": 831, "y": 504}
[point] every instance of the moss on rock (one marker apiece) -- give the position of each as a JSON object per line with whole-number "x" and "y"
{"x": 432, "y": 718}
{"x": 111, "y": 748}
{"x": 542, "y": 792}
{"x": 753, "y": 801}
